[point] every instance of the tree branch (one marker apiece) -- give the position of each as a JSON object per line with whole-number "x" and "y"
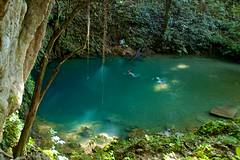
{"x": 61, "y": 29}
{"x": 56, "y": 71}
{"x": 5, "y": 154}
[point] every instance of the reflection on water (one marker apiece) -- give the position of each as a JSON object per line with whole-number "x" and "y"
{"x": 160, "y": 87}
{"x": 180, "y": 66}
{"x": 168, "y": 92}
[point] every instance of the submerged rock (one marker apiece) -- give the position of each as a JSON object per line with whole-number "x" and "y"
{"x": 81, "y": 133}
{"x": 100, "y": 141}
{"x": 136, "y": 132}
{"x": 225, "y": 112}
{"x": 86, "y": 131}
{"x": 113, "y": 119}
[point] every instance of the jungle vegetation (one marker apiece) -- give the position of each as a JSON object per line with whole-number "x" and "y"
{"x": 120, "y": 27}
{"x": 182, "y": 27}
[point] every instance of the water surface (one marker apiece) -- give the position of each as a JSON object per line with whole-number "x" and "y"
{"x": 109, "y": 97}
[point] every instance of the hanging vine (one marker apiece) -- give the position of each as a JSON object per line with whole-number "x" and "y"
{"x": 105, "y": 28}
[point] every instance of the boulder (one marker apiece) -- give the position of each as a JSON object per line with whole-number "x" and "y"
{"x": 225, "y": 112}
{"x": 129, "y": 52}
{"x": 22, "y": 28}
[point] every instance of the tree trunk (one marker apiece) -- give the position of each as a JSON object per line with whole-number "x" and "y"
{"x": 19, "y": 149}
{"x": 168, "y": 4}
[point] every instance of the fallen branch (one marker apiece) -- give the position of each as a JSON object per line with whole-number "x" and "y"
{"x": 5, "y": 154}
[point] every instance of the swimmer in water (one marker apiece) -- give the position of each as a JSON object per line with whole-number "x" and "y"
{"x": 159, "y": 80}
{"x": 130, "y": 73}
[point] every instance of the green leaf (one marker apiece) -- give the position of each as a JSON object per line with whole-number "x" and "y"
{"x": 238, "y": 151}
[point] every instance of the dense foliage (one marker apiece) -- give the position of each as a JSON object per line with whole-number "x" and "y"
{"x": 11, "y": 132}
{"x": 215, "y": 140}
{"x": 219, "y": 140}
{"x": 193, "y": 27}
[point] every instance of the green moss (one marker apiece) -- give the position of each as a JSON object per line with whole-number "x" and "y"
{"x": 1, "y": 72}
{"x": 12, "y": 102}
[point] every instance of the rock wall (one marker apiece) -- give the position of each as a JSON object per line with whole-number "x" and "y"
{"x": 22, "y": 28}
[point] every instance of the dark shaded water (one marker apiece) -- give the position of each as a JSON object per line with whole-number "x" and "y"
{"x": 111, "y": 99}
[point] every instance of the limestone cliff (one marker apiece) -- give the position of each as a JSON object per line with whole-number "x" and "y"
{"x": 22, "y": 28}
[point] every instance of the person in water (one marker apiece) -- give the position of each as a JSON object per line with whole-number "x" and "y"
{"x": 159, "y": 80}
{"x": 130, "y": 73}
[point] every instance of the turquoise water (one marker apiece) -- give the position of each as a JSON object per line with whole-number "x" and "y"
{"x": 109, "y": 97}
